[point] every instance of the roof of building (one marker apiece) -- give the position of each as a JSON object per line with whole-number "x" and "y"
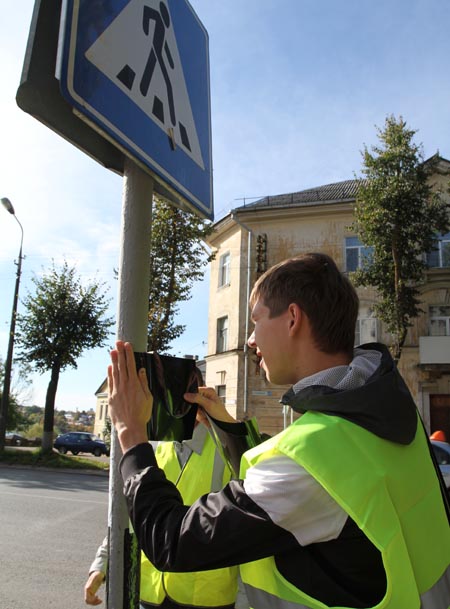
{"x": 329, "y": 193}
{"x": 337, "y": 192}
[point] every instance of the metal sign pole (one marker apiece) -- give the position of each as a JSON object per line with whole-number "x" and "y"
{"x": 132, "y": 315}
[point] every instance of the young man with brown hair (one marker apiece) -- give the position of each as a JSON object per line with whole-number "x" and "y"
{"x": 333, "y": 510}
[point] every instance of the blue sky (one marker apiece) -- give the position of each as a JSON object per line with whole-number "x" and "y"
{"x": 297, "y": 87}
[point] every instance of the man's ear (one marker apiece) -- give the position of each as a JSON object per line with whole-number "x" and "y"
{"x": 295, "y": 316}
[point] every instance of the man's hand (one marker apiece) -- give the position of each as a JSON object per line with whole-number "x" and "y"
{"x": 96, "y": 578}
{"x": 208, "y": 399}
{"x": 130, "y": 401}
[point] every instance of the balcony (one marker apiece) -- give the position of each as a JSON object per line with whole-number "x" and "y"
{"x": 434, "y": 349}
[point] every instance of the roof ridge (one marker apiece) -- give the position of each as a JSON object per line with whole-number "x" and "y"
{"x": 335, "y": 191}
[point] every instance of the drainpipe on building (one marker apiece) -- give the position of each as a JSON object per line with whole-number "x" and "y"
{"x": 247, "y": 312}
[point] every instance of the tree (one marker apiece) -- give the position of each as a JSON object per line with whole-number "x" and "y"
{"x": 63, "y": 319}
{"x": 60, "y": 423}
{"x": 19, "y": 393}
{"x": 176, "y": 261}
{"x": 399, "y": 215}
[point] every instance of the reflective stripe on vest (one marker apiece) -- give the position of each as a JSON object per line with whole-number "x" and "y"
{"x": 201, "y": 474}
{"x": 389, "y": 490}
{"x": 435, "y": 598}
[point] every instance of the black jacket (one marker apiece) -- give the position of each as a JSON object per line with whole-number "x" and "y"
{"x": 227, "y": 528}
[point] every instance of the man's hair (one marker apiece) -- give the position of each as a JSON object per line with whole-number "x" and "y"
{"x": 325, "y": 295}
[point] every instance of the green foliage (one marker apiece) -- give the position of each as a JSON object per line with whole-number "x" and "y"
{"x": 62, "y": 320}
{"x": 34, "y": 430}
{"x": 41, "y": 458}
{"x": 60, "y": 422}
{"x": 399, "y": 215}
{"x": 19, "y": 385}
{"x": 177, "y": 260}
{"x": 32, "y": 417}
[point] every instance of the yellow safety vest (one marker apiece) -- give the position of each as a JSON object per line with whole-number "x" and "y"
{"x": 201, "y": 474}
{"x": 392, "y": 493}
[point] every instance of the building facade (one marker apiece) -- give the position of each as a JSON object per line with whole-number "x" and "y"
{"x": 253, "y": 237}
{"x": 101, "y": 410}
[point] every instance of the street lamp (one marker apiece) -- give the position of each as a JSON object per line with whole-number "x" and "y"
{"x": 8, "y": 364}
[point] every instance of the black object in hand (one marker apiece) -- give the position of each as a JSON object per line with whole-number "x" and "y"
{"x": 169, "y": 378}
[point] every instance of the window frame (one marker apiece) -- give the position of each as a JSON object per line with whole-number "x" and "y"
{"x": 438, "y": 251}
{"x": 221, "y": 391}
{"x": 445, "y": 318}
{"x": 364, "y": 253}
{"x": 224, "y": 270}
{"x": 222, "y": 334}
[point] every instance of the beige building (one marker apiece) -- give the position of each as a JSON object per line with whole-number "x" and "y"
{"x": 101, "y": 409}
{"x": 253, "y": 237}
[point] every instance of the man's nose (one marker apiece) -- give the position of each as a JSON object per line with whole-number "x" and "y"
{"x": 251, "y": 341}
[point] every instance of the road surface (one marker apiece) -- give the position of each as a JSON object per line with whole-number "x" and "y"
{"x": 51, "y": 525}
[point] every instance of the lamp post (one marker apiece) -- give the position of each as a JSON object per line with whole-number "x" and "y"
{"x": 8, "y": 364}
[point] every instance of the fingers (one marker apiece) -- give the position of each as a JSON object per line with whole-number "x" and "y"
{"x": 113, "y": 372}
{"x": 122, "y": 368}
{"x": 110, "y": 380}
{"x": 92, "y": 600}
{"x": 203, "y": 395}
{"x": 123, "y": 365}
{"x": 130, "y": 361}
{"x": 208, "y": 399}
{"x": 201, "y": 417}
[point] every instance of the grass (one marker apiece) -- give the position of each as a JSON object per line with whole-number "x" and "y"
{"x": 36, "y": 458}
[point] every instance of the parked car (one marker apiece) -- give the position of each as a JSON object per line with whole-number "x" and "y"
{"x": 80, "y": 442}
{"x": 15, "y": 439}
{"x": 442, "y": 453}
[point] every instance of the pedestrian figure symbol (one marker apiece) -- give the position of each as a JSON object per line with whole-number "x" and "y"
{"x": 150, "y": 70}
{"x": 162, "y": 21}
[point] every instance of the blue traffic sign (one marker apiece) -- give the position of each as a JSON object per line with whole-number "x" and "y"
{"x": 138, "y": 72}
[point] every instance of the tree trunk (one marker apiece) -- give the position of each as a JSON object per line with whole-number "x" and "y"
{"x": 172, "y": 280}
{"x": 49, "y": 413}
{"x": 397, "y": 347}
{"x": 400, "y": 329}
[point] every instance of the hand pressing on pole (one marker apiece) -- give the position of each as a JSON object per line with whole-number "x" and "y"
{"x": 130, "y": 401}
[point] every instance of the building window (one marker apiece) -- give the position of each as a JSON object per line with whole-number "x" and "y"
{"x": 366, "y": 326}
{"x": 222, "y": 334}
{"x": 221, "y": 391}
{"x": 224, "y": 269}
{"x": 440, "y": 256}
{"x": 357, "y": 255}
{"x": 101, "y": 412}
{"x": 439, "y": 320}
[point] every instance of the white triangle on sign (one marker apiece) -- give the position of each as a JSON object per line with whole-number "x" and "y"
{"x": 139, "y": 53}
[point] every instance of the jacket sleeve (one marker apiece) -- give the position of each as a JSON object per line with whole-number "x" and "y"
{"x": 100, "y": 562}
{"x": 219, "y": 529}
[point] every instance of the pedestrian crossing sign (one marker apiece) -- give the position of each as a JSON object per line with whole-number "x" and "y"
{"x": 138, "y": 72}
